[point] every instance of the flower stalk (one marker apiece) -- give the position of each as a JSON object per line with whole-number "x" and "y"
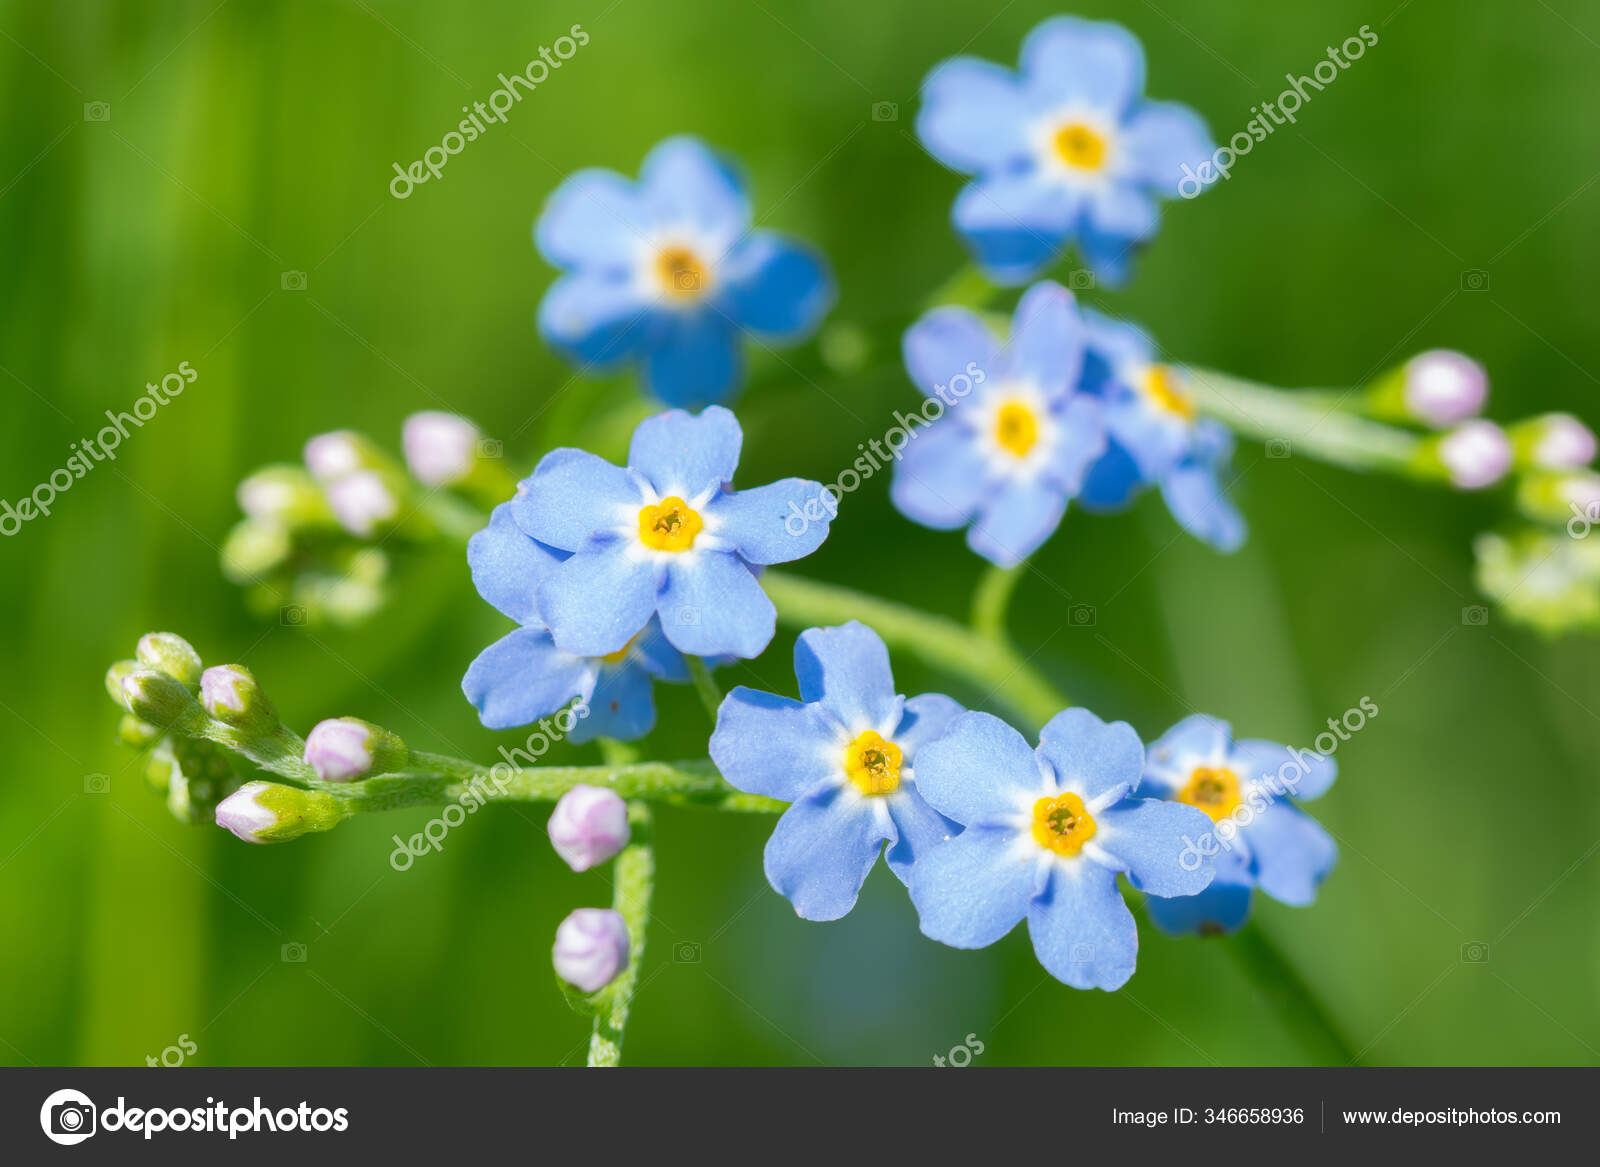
{"x": 634, "y": 882}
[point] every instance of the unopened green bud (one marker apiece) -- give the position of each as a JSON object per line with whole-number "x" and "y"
{"x": 1552, "y": 441}
{"x": 1472, "y": 456}
{"x": 163, "y": 701}
{"x": 172, "y": 654}
{"x": 199, "y": 779}
{"x": 1545, "y": 580}
{"x": 1551, "y": 497}
{"x": 114, "y": 676}
{"x": 343, "y": 749}
{"x": 265, "y": 812}
{"x": 285, "y": 496}
{"x": 231, "y": 695}
{"x": 139, "y": 734}
{"x": 254, "y": 550}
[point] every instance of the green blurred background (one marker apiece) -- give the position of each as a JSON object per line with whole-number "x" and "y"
{"x": 247, "y": 139}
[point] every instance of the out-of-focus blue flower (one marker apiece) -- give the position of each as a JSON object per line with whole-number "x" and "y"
{"x": 1011, "y": 441}
{"x": 665, "y": 537}
{"x": 1156, "y": 438}
{"x": 1047, "y": 831}
{"x": 1257, "y": 836}
{"x": 666, "y": 273}
{"x": 1065, "y": 148}
{"x": 523, "y": 676}
{"x": 845, "y": 756}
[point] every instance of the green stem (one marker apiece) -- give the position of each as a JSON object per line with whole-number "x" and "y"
{"x": 992, "y": 598}
{"x": 634, "y": 875}
{"x": 1310, "y": 422}
{"x": 705, "y": 686}
{"x": 938, "y": 641}
{"x": 1294, "y": 1001}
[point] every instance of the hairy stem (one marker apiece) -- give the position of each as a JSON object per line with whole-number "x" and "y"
{"x": 992, "y": 599}
{"x": 705, "y": 686}
{"x": 635, "y": 875}
{"x": 1294, "y": 1001}
{"x": 938, "y": 641}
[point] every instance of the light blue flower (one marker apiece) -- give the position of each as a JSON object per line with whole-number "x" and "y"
{"x": 1156, "y": 437}
{"x": 666, "y": 273}
{"x": 523, "y": 676}
{"x": 1010, "y": 441}
{"x": 1066, "y": 148}
{"x": 665, "y": 537}
{"x": 1047, "y": 833}
{"x": 845, "y": 756}
{"x": 1258, "y": 837}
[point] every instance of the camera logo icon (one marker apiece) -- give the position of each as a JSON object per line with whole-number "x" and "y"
{"x": 686, "y": 952}
{"x": 294, "y": 953}
{"x": 1080, "y": 280}
{"x": 885, "y": 111}
{"x": 1475, "y": 952}
{"x": 1474, "y": 279}
{"x": 1081, "y": 615}
{"x": 1278, "y": 448}
{"x": 491, "y": 448}
{"x": 68, "y": 1117}
{"x": 96, "y": 783}
{"x": 292, "y": 615}
{"x": 96, "y": 111}
{"x": 293, "y": 281}
{"x": 1475, "y": 615}
{"x": 687, "y": 615}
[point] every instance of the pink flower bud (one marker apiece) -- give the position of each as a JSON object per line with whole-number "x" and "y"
{"x": 440, "y": 447}
{"x": 589, "y": 826}
{"x": 1563, "y": 443}
{"x": 1444, "y": 387}
{"x": 361, "y": 501}
{"x": 342, "y": 749}
{"x": 1476, "y": 454}
{"x": 243, "y": 815}
{"x": 591, "y": 948}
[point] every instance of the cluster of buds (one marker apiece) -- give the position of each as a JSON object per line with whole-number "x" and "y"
{"x": 308, "y": 547}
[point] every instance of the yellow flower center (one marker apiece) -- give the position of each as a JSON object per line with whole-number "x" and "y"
{"x": 1061, "y": 824}
{"x": 1016, "y": 428}
{"x": 680, "y": 272}
{"x": 1162, "y": 387}
{"x": 669, "y": 525}
{"x": 873, "y": 764}
{"x": 1213, "y": 790}
{"x": 612, "y": 658}
{"x": 1080, "y": 147}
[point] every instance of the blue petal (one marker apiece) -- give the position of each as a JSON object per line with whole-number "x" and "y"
{"x": 712, "y": 605}
{"x": 974, "y": 115}
{"x": 775, "y": 746}
{"x": 522, "y": 677}
{"x": 1302, "y": 774}
{"x": 1112, "y": 480}
{"x": 821, "y": 850}
{"x": 782, "y": 521}
{"x": 595, "y": 218}
{"x": 978, "y": 769}
{"x": 622, "y": 706}
{"x": 927, "y": 716}
{"x": 1082, "y": 932}
{"x": 941, "y": 477}
{"x": 1195, "y": 498}
{"x": 920, "y": 829}
{"x": 1198, "y": 739}
{"x": 1016, "y": 519}
{"x": 1290, "y": 853}
{"x": 687, "y": 184}
{"x": 1014, "y": 223}
{"x": 1153, "y": 437}
{"x": 1149, "y": 838}
{"x": 687, "y": 455}
{"x": 596, "y": 601}
{"x": 507, "y": 566}
{"x": 597, "y": 321}
{"x": 657, "y": 656}
{"x": 573, "y": 496}
{"x": 1221, "y": 908}
{"x": 777, "y": 286}
{"x": 1047, "y": 338}
{"x": 1091, "y": 758}
{"x": 971, "y": 891}
{"x": 1109, "y": 257}
{"x": 1080, "y": 441}
{"x": 1161, "y": 138}
{"x": 1123, "y": 210}
{"x": 1067, "y": 59}
{"x": 846, "y": 670}
{"x": 947, "y": 341}
{"x": 696, "y": 358}
{"x": 1116, "y": 342}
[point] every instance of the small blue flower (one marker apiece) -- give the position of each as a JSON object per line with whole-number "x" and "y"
{"x": 1047, "y": 833}
{"x": 1009, "y": 441}
{"x": 666, "y": 273}
{"x": 523, "y": 676}
{"x": 845, "y": 755}
{"x": 1065, "y": 148}
{"x": 665, "y": 537}
{"x": 1257, "y": 836}
{"x": 1155, "y": 436}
